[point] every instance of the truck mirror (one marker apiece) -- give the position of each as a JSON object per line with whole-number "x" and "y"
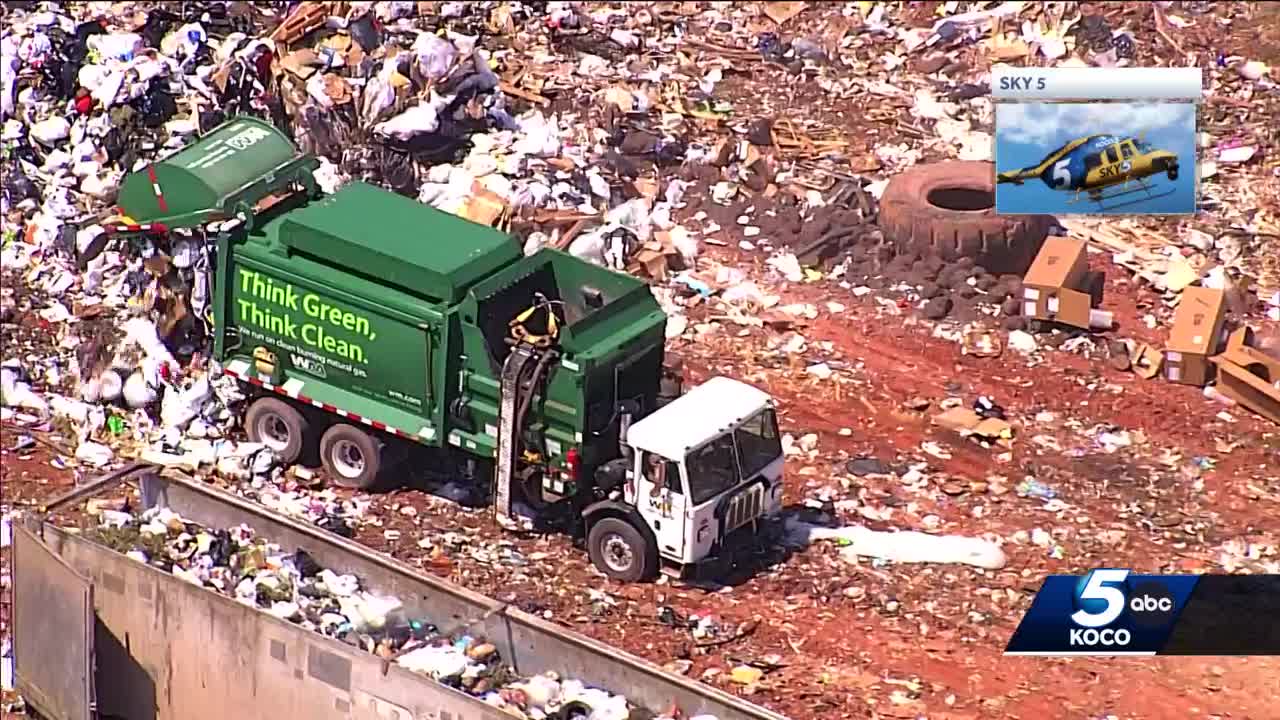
{"x": 628, "y": 407}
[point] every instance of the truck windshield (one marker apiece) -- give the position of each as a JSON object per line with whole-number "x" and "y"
{"x": 725, "y": 462}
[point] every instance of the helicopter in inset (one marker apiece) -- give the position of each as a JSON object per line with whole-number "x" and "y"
{"x": 1093, "y": 164}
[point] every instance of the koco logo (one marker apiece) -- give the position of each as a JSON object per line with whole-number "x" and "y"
{"x": 1102, "y": 597}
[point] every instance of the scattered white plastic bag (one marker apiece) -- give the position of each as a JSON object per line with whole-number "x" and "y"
{"x": 179, "y": 408}
{"x": 539, "y": 135}
{"x": 16, "y": 393}
{"x": 368, "y": 612}
{"x": 904, "y": 547}
{"x": 378, "y": 94}
{"x": 137, "y": 391}
{"x": 788, "y": 266}
{"x": 117, "y": 46}
{"x": 439, "y": 662}
{"x": 51, "y": 130}
{"x": 143, "y": 333}
{"x": 589, "y": 246}
{"x": 435, "y": 55}
{"x": 686, "y": 244}
{"x": 94, "y": 454}
{"x": 417, "y": 120}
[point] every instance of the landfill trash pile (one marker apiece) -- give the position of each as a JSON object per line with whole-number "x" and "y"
{"x": 252, "y": 570}
{"x": 736, "y": 156}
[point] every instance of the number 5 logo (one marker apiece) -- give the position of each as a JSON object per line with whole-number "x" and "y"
{"x": 1097, "y": 588}
{"x": 1061, "y": 175}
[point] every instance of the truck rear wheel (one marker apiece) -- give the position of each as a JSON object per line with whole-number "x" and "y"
{"x": 351, "y": 456}
{"x": 278, "y": 425}
{"x": 621, "y": 551}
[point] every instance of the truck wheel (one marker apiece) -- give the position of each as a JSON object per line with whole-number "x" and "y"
{"x": 529, "y": 484}
{"x": 278, "y": 425}
{"x": 621, "y": 551}
{"x": 350, "y": 456}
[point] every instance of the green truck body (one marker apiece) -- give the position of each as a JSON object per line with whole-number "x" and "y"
{"x": 364, "y": 319}
{"x": 227, "y": 172}
{"x": 399, "y": 313}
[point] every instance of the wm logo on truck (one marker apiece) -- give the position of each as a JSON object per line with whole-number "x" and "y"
{"x": 307, "y": 365}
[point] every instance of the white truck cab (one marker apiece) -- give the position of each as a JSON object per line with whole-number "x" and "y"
{"x": 704, "y": 466}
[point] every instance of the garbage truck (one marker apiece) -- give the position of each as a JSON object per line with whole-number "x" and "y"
{"x": 364, "y": 324}
{"x": 102, "y": 632}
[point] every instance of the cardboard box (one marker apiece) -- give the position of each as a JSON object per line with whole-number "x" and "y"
{"x": 1197, "y": 334}
{"x": 1249, "y": 376}
{"x": 484, "y": 207}
{"x": 1058, "y": 287}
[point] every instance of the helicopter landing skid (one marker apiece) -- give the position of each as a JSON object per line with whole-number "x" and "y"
{"x": 1100, "y": 196}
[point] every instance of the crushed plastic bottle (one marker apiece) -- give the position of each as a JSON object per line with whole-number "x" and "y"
{"x": 1030, "y": 487}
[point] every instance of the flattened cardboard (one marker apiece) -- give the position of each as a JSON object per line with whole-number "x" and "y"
{"x": 957, "y": 419}
{"x": 1249, "y": 376}
{"x": 1146, "y": 361}
{"x": 484, "y": 206}
{"x": 1197, "y": 333}
{"x": 303, "y": 63}
{"x": 1073, "y": 308}
{"x": 968, "y": 422}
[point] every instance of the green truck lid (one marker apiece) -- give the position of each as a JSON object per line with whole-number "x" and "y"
{"x": 397, "y": 240}
{"x": 228, "y": 170}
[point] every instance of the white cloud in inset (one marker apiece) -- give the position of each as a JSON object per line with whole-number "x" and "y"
{"x": 1056, "y": 123}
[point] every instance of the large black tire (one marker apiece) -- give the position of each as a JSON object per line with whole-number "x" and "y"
{"x": 947, "y": 210}
{"x": 351, "y": 457}
{"x": 621, "y": 551}
{"x": 280, "y": 426}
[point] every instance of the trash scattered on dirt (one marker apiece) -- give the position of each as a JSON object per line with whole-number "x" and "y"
{"x": 709, "y": 150}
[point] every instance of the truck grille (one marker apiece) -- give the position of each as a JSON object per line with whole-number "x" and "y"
{"x": 745, "y": 507}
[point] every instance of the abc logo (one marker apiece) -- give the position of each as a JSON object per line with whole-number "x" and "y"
{"x": 1151, "y": 604}
{"x": 1148, "y": 604}
{"x": 1101, "y": 599}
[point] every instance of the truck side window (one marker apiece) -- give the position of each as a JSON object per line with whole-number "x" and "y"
{"x": 664, "y": 474}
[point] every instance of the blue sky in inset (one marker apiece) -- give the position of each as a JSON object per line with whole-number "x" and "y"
{"x": 1026, "y": 132}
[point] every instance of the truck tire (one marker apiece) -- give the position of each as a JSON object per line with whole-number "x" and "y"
{"x": 280, "y": 426}
{"x": 351, "y": 457}
{"x": 947, "y": 210}
{"x": 621, "y": 551}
